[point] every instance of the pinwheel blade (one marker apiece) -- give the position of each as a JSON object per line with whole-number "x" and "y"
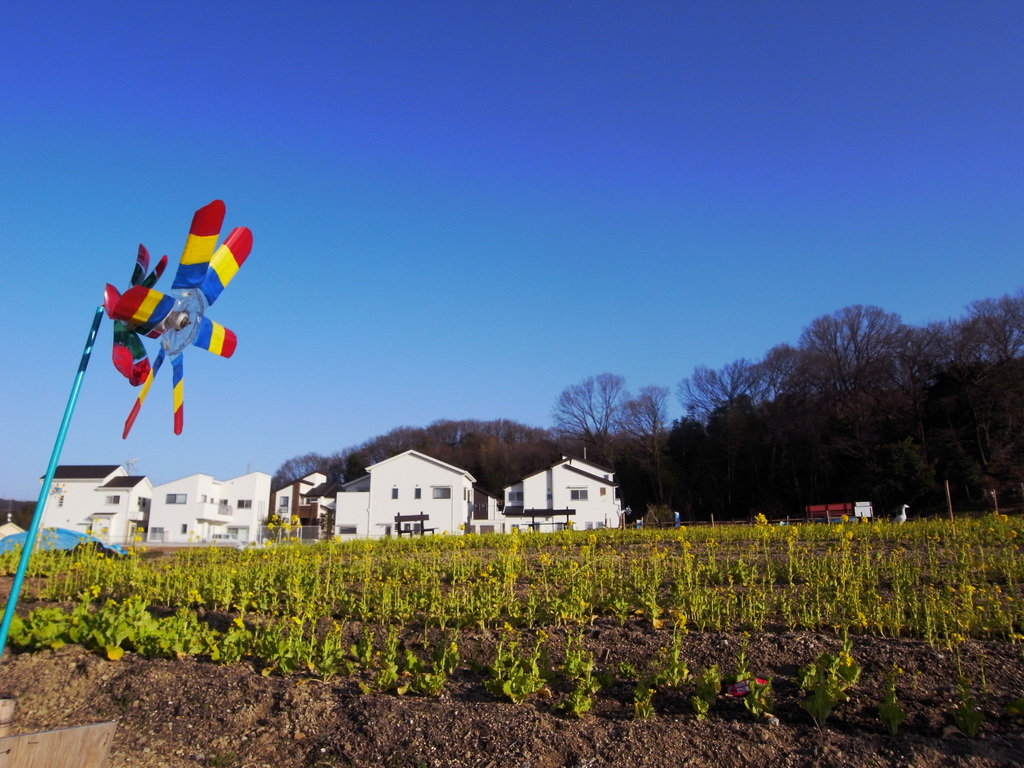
{"x": 129, "y": 355}
{"x": 202, "y": 239}
{"x": 141, "y": 265}
{"x": 225, "y": 263}
{"x": 142, "y": 308}
{"x": 215, "y": 338}
{"x": 178, "y": 371}
{"x": 142, "y": 393}
{"x": 110, "y": 298}
{"x": 161, "y": 265}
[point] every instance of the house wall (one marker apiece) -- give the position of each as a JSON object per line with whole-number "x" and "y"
{"x": 248, "y": 496}
{"x": 81, "y": 504}
{"x": 486, "y": 518}
{"x": 178, "y": 522}
{"x": 553, "y": 489}
{"x": 352, "y": 511}
{"x": 71, "y": 503}
{"x": 407, "y": 473}
{"x": 210, "y": 511}
{"x": 600, "y": 506}
{"x": 536, "y": 490}
{"x": 368, "y": 505}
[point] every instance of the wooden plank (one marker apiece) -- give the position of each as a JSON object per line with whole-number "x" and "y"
{"x": 85, "y": 746}
{"x": 6, "y": 716}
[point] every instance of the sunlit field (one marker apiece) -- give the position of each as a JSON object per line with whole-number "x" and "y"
{"x": 290, "y": 604}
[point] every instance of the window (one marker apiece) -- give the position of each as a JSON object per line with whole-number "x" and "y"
{"x": 604, "y": 491}
{"x": 282, "y": 502}
{"x": 184, "y": 528}
{"x": 113, "y": 499}
{"x": 177, "y": 498}
{"x": 244, "y": 504}
{"x": 443, "y": 493}
{"x": 515, "y": 496}
{"x": 346, "y": 530}
{"x": 578, "y": 494}
{"x": 394, "y": 493}
{"x": 418, "y": 493}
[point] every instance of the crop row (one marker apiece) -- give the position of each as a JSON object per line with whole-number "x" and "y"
{"x": 938, "y": 581}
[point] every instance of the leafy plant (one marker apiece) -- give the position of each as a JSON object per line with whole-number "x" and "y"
{"x": 967, "y": 716}
{"x": 709, "y": 685}
{"x": 581, "y": 698}
{"x": 643, "y": 695}
{"x": 673, "y": 670}
{"x": 515, "y": 674}
{"x": 758, "y": 701}
{"x": 890, "y": 712}
{"x": 826, "y": 681}
{"x": 579, "y": 668}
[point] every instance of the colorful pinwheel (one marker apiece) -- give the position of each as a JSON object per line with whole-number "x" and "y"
{"x": 178, "y": 319}
{"x": 129, "y": 354}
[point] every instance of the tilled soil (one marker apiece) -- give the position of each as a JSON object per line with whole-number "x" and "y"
{"x": 190, "y": 712}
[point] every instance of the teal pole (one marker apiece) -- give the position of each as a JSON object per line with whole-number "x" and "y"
{"x": 37, "y": 517}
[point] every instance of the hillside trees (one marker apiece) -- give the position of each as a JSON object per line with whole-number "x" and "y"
{"x": 862, "y": 407}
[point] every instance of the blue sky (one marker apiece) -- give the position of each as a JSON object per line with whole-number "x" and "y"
{"x": 461, "y": 208}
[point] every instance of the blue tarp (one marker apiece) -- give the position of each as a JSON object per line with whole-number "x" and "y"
{"x": 58, "y": 538}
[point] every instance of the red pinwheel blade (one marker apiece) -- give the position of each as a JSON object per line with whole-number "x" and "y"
{"x": 202, "y": 238}
{"x": 129, "y": 355}
{"x": 142, "y": 393}
{"x": 141, "y": 265}
{"x": 215, "y": 338}
{"x": 110, "y": 298}
{"x": 225, "y": 263}
{"x": 142, "y": 309}
{"x": 177, "y": 369}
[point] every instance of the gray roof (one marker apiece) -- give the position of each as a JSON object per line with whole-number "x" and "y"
{"x": 84, "y": 471}
{"x": 129, "y": 481}
{"x": 324, "y": 489}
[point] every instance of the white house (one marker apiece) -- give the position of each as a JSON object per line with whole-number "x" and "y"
{"x": 408, "y": 493}
{"x": 199, "y": 508}
{"x": 485, "y": 516}
{"x": 103, "y": 500}
{"x": 572, "y": 491}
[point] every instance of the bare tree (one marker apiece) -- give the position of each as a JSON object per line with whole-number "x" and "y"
{"x": 707, "y": 390}
{"x": 997, "y": 325}
{"x": 644, "y": 419}
{"x": 297, "y": 468}
{"x": 851, "y": 351}
{"x": 590, "y": 411}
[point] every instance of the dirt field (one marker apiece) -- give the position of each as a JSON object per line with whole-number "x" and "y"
{"x": 188, "y": 713}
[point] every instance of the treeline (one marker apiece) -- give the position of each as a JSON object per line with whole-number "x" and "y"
{"x": 863, "y": 407}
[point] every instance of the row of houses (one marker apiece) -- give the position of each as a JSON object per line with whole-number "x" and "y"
{"x": 118, "y": 508}
{"x": 411, "y": 493}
